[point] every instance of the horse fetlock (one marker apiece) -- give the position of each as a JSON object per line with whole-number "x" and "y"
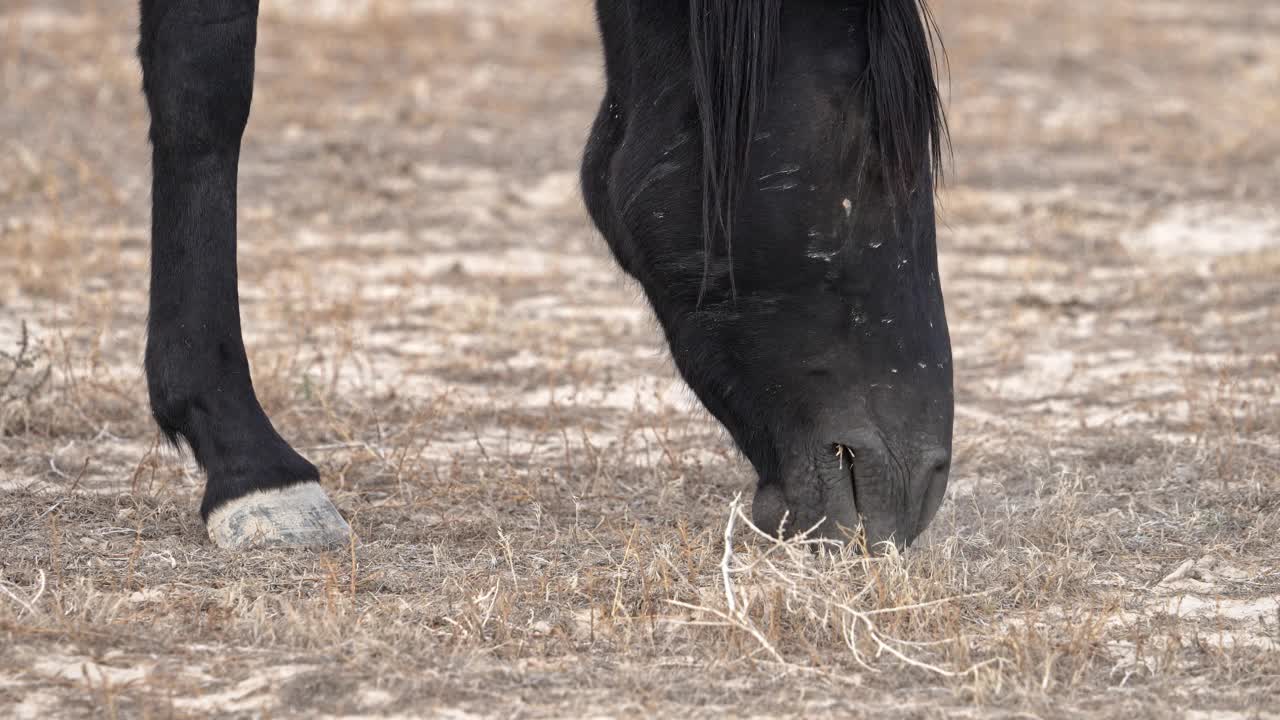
{"x": 299, "y": 515}
{"x": 228, "y": 432}
{"x": 182, "y": 392}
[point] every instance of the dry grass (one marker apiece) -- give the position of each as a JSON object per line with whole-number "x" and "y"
{"x": 547, "y": 522}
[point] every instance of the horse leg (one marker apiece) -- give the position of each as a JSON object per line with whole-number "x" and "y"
{"x": 197, "y": 67}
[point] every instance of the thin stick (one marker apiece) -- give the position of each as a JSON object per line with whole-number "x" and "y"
{"x": 28, "y": 605}
{"x": 726, "y": 574}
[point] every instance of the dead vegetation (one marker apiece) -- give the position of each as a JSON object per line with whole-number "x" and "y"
{"x": 544, "y": 515}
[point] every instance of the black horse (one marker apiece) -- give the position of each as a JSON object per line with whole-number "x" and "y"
{"x": 764, "y": 169}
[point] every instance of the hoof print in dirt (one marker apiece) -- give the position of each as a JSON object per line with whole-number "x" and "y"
{"x": 295, "y": 516}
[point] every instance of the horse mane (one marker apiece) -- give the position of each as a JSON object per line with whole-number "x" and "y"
{"x": 734, "y": 44}
{"x": 908, "y": 123}
{"x": 734, "y": 47}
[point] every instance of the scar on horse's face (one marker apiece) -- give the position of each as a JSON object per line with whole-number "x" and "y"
{"x": 814, "y": 327}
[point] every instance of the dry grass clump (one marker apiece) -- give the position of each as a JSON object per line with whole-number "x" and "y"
{"x": 24, "y": 373}
{"x": 1032, "y": 604}
{"x": 965, "y": 613}
{"x": 807, "y": 595}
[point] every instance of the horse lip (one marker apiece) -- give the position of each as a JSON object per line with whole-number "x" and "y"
{"x": 846, "y": 461}
{"x": 835, "y": 470}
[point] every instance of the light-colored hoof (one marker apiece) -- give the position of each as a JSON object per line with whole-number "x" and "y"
{"x": 295, "y": 516}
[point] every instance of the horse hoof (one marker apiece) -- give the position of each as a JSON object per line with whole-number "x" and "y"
{"x": 293, "y": 516}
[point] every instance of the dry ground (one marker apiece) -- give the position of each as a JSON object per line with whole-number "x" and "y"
{"x": 541, "y": 505}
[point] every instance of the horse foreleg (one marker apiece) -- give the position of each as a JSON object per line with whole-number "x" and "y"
{"x": 197, "y": 65}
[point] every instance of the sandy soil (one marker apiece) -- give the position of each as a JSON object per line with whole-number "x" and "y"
{"x": 541, "y": 504}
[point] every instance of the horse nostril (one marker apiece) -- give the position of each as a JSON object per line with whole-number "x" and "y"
{"x": 931, "y": 487}
{"x": 863, "y": 483}
{"x": 943, "y": 465}
{"x": 934, "y": 462}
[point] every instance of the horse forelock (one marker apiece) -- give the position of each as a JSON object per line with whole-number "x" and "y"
{"x": 734, "y": 47}
{"x": 900, "y": 87}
